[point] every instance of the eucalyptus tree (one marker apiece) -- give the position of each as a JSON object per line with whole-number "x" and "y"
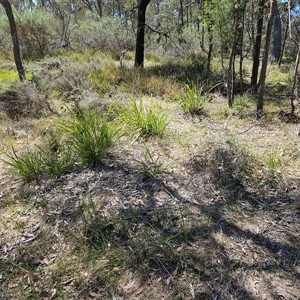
{"x": 140, "y": 36}
{"x": 15, "y": 40}
{"x": 277, "y": 35}
{"x": 262, "y": 78}
{"x": 296, "y": 76}
{"x": 257, "y": 42}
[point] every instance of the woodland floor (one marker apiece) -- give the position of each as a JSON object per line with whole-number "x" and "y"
{"x": 217, "y": 221}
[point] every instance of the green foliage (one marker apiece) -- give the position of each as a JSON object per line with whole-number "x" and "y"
{"x": 273, "y": 161}
{"x": 89, "y": 135}
{"x": 8, "y": 75}
{"x": 35, "y": 32}
{"x": 103, "y": 78}
{"x": 243, "y": 101}
{"x": 143, "y": 121}
{"x": 56, "y": 163}
{"x": 102, "y": 33}
{"x": 192, "y": 69}
{"x": 193, "y": 101}
{"x": 28, "y": 164}
{"x": 31, "y": 165}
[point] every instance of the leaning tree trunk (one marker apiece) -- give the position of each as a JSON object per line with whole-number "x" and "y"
{"x": 296, "y": 76}
{"x": 296, "y": 81}
{"x": 263, "y": 72}
{"x": 15, "y": 40}
{"x": 140, "y": 36}
{"x": 284, "y": 42}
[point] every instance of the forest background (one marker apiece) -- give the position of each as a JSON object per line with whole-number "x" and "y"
{"x": 149, "y": 149}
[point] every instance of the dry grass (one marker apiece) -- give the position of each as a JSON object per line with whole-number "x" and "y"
{"x": 217, "y": 218}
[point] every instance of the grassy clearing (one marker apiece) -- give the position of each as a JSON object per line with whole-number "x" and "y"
{"x": 209, "y": 210}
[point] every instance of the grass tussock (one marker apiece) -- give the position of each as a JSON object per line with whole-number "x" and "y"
{"x": 141, "y": 119}
{"x": 193, "y": 101}
{"x": 89, "y": 135}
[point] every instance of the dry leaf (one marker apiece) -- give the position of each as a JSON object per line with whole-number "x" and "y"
{"x": 137, "y": 292}
{"x": 95, "y": 295}
{"x": 53, "y": 292}
{"x": 174, "y": 273}
{"x": 68, "y": 281}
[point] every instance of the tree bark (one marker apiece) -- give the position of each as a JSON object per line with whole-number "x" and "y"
{"x": 231, "y": 66}
{"x": 257, "y": 44}
{"x": 262, "y": 79}
{"x": 277, "y": 35}
{"x": 296, "y": 76}
{"x": 296, "y": 79}
{"x": 140, "y": 37}
{"x": 15, "y": 40}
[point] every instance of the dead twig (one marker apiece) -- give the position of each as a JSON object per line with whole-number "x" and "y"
{"x": 249, "y": 128}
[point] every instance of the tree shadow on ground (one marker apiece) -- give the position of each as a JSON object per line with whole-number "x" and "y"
{"x": 188, "y": 71}
{"x": 195, "y": 240}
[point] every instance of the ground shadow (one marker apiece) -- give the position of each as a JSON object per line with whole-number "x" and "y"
{"x": 168, "y": 235}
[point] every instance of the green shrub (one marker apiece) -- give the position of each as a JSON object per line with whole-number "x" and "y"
{"x": 102, "y": 33}
{"x": 243, "y": 101}
{"x": 35, "y": 32}
{"x": 56, "y": 163}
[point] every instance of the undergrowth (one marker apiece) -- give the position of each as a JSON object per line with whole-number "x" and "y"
{"x": 142, "y": 120}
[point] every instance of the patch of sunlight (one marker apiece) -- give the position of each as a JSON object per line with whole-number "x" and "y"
{"x": 11, "y": 75}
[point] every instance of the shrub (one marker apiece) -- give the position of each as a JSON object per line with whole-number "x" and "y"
{"x": 23, "y": 100}
{"x": 102, "y": 33}
{"x": 35, "y": 32}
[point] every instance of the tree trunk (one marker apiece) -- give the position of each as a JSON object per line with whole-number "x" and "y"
{"x": 241, "y": 41}
{"x": 15, "y": 40}
{"x": 209, "y": 55}
{"x": 181, "y": 13}
{"x": 262, "y": 79}
{"x": 284, "y": 41}
{"x": 296, "y": 77}
{"x": 99, "y": 8}
{"x": 140, "y": 37}
{"x": 231, "y": 66}
{"x": 257, "y": 44}
{"x": 241, "y": 64}
{"x": 277, "y": 35}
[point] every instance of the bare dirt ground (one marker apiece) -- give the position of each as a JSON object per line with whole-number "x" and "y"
{"x": 216, "y": 221}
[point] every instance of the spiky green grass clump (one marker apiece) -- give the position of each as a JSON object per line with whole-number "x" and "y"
{"x": 89, "y": 135}
{"x": 142, "y": 120}
{"x": 27, "y": 164}
{"x": 31, "y": 165}
{"x": 193, "y": 101}
{"x": 85, "y": 136}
